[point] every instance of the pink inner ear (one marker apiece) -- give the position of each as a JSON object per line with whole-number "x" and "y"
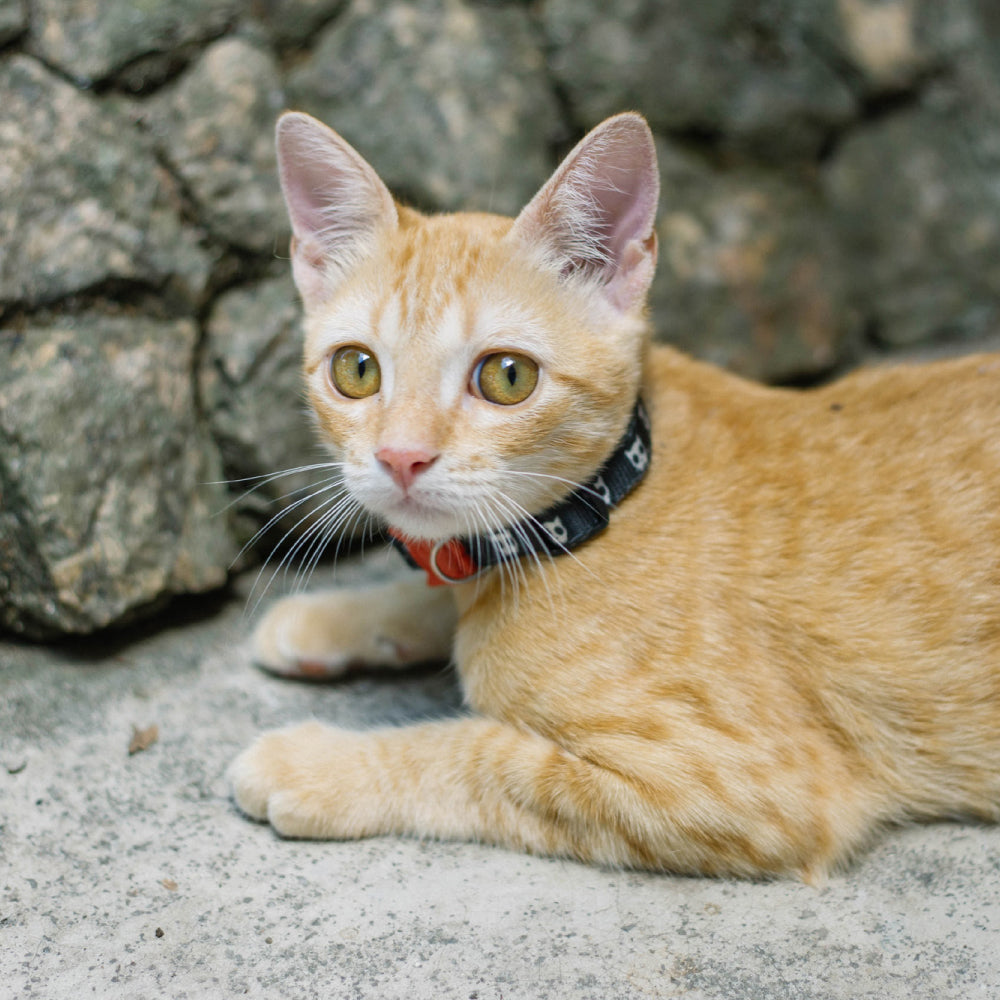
{"x": 310, "y": 188}
{"x": 625, "y": 188}
{"x": 596, "y": 214}
{"x": 333, "y": 196}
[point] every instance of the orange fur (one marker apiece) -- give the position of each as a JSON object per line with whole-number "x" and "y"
{"x": 788, "y": 636}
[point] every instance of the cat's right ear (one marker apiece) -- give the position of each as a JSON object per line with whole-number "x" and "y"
{"x": 336, "y": 203}
{"x": 594, "y": 219}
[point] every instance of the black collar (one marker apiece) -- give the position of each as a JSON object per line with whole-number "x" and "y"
{"x": 569, "y": 523}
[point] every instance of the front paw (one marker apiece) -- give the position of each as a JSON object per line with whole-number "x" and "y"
{"x": 303, "y": 780}
{"x": 317, "y": 636}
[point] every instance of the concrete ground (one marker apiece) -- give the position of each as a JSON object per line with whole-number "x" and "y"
{"x": 134, "y": 876}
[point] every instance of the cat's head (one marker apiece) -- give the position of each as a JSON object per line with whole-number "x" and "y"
{"x": 470, "y": 369}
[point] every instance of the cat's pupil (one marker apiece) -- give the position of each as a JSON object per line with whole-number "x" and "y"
{"x": 361, "y": 365}
{"x": 510, "y": 369}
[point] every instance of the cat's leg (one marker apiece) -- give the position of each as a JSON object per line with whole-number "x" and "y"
{"x": 326, "y": 634}
{"x": 459, "y": 779}
{"x": 482, "y": 780}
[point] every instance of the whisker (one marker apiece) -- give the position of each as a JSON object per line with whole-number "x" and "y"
{"x": 265, "y": 479}
{"x": 314, "y": 535}
{"x": 514, "y": 566}
{"x": 474, "y": 546}
{"x": 332, "y": 483}
{"x": 472, "y": 532}
{"x": 487, "y": 522}
{"x": 330, "y": 528}
{"x": 521, "y": 528}
{"x": 565, "y": 551}
{"x": 580, "y": 488}
{"x": 337, "y": 503}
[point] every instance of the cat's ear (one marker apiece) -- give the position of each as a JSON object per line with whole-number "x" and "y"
{"x": 336, "y": 203}
{"x": 595, "y": 216}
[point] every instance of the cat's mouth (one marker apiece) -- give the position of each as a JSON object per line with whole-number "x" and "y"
{"x": 432, "y": 515}
{"x": 441, "y": 507}
{"x": 419, "y": 517}
{"x": 416, "y": 512}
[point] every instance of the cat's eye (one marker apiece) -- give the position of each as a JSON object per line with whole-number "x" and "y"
{"x": 355, "y": 372}
{"x": 505, "y": 378}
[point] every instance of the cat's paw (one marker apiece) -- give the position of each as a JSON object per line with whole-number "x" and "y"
{"x": 304, "y": 781}
{"x": 318, "y": 636}
{"x": 326, "y": 634}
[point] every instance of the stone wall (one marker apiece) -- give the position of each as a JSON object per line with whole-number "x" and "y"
{"x": 831, "y": 185}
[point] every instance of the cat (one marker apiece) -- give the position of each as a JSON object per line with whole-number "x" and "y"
{"x": 777, "y": 630}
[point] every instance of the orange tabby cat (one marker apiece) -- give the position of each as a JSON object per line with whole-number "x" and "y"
{"x": 787, "y": 635}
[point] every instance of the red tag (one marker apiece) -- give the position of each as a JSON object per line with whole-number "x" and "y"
{"x": 443, "y": 562}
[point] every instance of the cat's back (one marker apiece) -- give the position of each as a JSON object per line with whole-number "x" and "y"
{"x": 845, "y": 540}
{"x": 894, "y": 452}
{"x": 918, "y": 413}
{"x": 881, "y": 490}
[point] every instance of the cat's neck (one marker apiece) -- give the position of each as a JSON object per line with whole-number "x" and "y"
{"x": 577, "y": 518}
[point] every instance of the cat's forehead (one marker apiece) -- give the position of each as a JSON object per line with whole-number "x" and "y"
{"x": 438, "y": 284}
{"x": 436, "y": 263}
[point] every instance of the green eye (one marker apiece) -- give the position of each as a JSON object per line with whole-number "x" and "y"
{"x": 505, "y": 378}
{"x": 355, "y": 372}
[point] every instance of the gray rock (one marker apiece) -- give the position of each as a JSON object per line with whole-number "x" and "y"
{"x": 892, "y": 46}
{"x": 103, "y": 473}
{"x": 741, "y": 73}
{"x": 917, "y": 197}
{"x": 449, "y": 101}
{"x": 295, "y": 22}
{"x": 251, "y": 389}
{"x": 216, "y": 126}
{"x": 84, "y": 199}
{"x": 750, "y": 273}
{"x": 90, "y": 41}
{"x": 13, "y": 20}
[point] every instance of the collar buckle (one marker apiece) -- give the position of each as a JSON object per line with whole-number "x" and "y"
{"x": 457, "y": 557}
{"x": 445, "y": 562}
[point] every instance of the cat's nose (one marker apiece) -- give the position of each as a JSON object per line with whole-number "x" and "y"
{"x": 405, "y": 464}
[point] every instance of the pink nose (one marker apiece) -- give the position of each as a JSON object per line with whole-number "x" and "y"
{"x": 405, "y": 464}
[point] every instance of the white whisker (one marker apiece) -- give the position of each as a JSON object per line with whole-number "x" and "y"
{"x": 314, "y": 536}
{"x": 534, "y": 521}
{"x": 521, "y": 527}
{"x": 264, "y": 480}
{"x": 347, "y": 527}
{"x": 333, "y": 483}
{"x": 324, "y": 517}
{"x": 580, "y": 488}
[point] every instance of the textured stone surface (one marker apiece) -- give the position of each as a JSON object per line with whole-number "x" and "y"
{"x": 84, "y": 199}
{"x": 13, "y": 20}
{"x": 294, "y": 22}
{"x": 448, "y": 100}
{"x": 890, "y": 46}
{"x": 216, "y": 126}
{"x": 751, "y": 275}
{"x": 103, "y": 473}
{"x": 742, "y": 72}
{"x": 134, "y": 877}
{"x": 919, "y": 205}
{"x": 91, "y": 39}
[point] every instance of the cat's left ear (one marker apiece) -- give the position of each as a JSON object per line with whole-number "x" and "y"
{"x": 595, "y": 216}
{"x": 336, "y": 202}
